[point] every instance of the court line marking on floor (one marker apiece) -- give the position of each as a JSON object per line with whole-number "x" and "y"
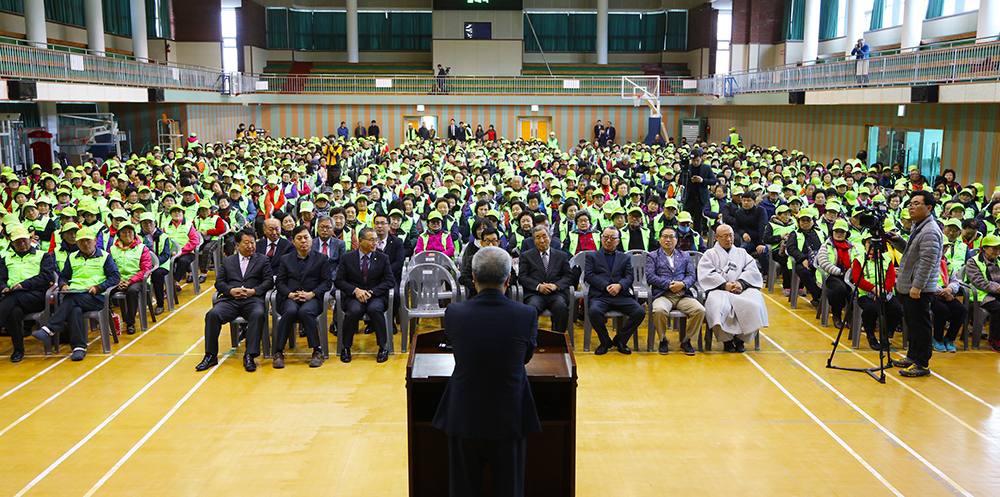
{"x": 135, "y": 448}
{"x": 46, "y": 370}
{"x": 825, "y": 428}
{"x": 40, "y": 373}
{"x": 947, "y": 479}
{"x": 899, "y": 382}
{"x": 106, "y": 422}
{"x": 95, "y": 368}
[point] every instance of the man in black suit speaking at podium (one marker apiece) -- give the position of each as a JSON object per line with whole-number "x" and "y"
{"x": 487, "y": 409}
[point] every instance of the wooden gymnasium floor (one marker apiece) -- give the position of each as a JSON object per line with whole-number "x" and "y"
{"x": 141, "y": 421}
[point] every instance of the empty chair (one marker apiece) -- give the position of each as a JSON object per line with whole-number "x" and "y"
{"x": 439, "y": 258}
{"x": 422, "y": 295}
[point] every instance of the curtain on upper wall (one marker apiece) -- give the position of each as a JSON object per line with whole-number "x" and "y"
{"x": 117, "y": 17}
{"x": 934, "y": 9}
{"x": 330, "y": 30}
{"x": 877, "y": 9}
{"x": 300, "y": 29}
{"x": 636, "y": 32}
{"x": 676, "y": 30}
{"x": 795, "y": 16}
{"x": 159, "y": 29}
{"x": 28, "y": 111}
{"x": 277, "y": 28}
{"x": 411, "y": 31}
{"x": 16, "y": 6}
{"x": 551, "y": 30}
{"x": 66, "y": 11}
{"x": 582, "y": 33}
{"x": 829, "y": 11}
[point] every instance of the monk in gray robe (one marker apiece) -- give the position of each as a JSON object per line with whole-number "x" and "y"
{"x": 735, "y": 307}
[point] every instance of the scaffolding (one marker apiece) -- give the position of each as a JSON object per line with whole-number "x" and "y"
{"x": 13, "y": 152}
{"x": 168, "y": 134}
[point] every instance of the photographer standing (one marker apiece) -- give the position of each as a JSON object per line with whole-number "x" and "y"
{"x": 860, "y": 52}
{"x": 916, "y": 281}
{"x": 698, "y": 178}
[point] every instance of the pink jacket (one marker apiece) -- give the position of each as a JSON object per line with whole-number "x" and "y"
{"x": 434, "y": 243}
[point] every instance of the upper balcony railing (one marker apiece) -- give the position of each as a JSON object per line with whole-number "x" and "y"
{"x": 451, "y": 85}
{"x": 949, "y": 64}
{"x": 28, "y": 62}
{"x": 925, "y": 65}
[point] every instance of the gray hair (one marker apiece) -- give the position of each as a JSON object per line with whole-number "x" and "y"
{"x": 538, "y": 228}
{"x": 491, "y": 266}
{"x": 324, "y": 218}
{"x": 364, "y": 232}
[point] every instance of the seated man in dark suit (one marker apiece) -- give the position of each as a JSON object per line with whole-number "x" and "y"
{"x": 487, "y": 408}
{"x": 545, "y": 275}
{"x": 273, "y": 245}
{"x": 242, "y": 281}
{"x": 302, "y": 279}
{"x": 327, "y": 244}
{"x": 364, "y": 278}
{"x": 25, "y": 275}
{"x": 609, "y": 274}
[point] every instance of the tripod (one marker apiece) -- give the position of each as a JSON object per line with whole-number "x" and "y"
{"x": 873, "y": 254}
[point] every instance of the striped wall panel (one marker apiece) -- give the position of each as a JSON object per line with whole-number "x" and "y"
{"x": 826, "y": 132}
{"x": 570, "y": 122}
{"x": 140, "y": 120}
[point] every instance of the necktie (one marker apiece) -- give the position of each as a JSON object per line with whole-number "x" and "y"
{"x": 270, "y": 249}
{"x": 364, "y": 268}
{"x": 545, "y": 262}
{"x": 324, "y": 249}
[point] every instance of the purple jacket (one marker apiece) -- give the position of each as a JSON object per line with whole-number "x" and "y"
{"x": 659, "y": 274}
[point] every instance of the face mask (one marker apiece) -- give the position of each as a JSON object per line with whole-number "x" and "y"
{"x": 684, "y": 229}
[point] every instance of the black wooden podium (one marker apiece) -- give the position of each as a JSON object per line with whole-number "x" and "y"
{"x": 551, "y": 458}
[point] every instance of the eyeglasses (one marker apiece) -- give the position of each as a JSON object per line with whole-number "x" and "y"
{"x": 607, "y": 237}
{"x": 667, "y": 237}
{"x": 727, "y": 235}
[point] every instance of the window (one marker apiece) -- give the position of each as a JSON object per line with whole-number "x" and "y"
{"x": 723, "y": 37}
{"x": 230, "y": 53}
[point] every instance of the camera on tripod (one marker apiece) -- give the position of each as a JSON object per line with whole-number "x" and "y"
{"x": 873, "y": 217}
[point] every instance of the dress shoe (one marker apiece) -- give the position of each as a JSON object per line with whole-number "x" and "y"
{"x": 278, "y": 362}
{"x": 729, "y": 346}
{"x": 190, "y": 278}
{"x": 738, "y": 344}
{"x": 157, "y": 311}
{"x": 368, "y": 329}
{"x": 664, "y": 347}
{"x": 17, "y": 356}
{"x": 333, "y": 328}
{"x": 130, "y": 329}
{"x": 241, "y": 334}
{"x": 873, "y": 343}
{"x": 317, "y": 358}
{"x": 302, "y": 333}
{"x": 602, "y": 349}
{"x": 383, "y": 355}
{"x": 209, "y": 361}
{"x": 687, "y": 348}
{"x": 814, "y": 303}
{"x": 78, "y": 355}
{"x": 249, "y": 364}
{"x": 837, "y": 323}
{"x": 345, "y": 355}
{"x": 622, "y": 347}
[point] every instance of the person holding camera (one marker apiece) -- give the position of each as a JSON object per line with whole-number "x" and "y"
{"x": 860, "y": 52}
{"x": 442, "y": 74}
{"x": 698, "y": 178}
{"x": 917, "y": 280}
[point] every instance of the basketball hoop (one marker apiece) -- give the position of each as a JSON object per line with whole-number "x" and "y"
{"x": 636, "y": 100}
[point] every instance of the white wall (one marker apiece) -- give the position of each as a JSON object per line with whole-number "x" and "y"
{"x": 479, "y": 57}
{"x": 932, "y": 28}
{"x": 208, "y": 54}
{"x": 591, "y": 58}
{"x": 698, "y": 62}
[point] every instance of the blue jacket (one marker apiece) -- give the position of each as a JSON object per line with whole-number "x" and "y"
{"x": 598, "y": 275}
{"x": 659, "y": 274}
{"x": 343, "y": 132}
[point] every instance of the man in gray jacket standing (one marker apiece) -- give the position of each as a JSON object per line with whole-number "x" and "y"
{"x": 916, "y": 281}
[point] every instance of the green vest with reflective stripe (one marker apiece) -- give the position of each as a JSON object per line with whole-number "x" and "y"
{"x": 574, "y": 241}
{"x": 127, "y": 260}
{"x": 21, "y": 268}
{"x": 87, "y": 272}
{"x": 780, "y": 229}
{"x": 982, "y": 267}
{"x": 625, "y": 236}
{"x": 956, "y": 254}
{"x": 870, "y": 270}
{"x": 205, "y": 224}
{"x": 178, "y": 234}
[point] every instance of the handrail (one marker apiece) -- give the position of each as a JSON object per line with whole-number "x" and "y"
{"x": 107, "y": 53}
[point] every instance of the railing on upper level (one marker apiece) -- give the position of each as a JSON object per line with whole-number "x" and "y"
{"x": 450, "y": 85}
{"x": 19, "y": 61}
{"x": 960, "y": 63}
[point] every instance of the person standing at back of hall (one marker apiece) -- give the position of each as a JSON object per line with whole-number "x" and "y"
{"x": 487, "y": 409}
